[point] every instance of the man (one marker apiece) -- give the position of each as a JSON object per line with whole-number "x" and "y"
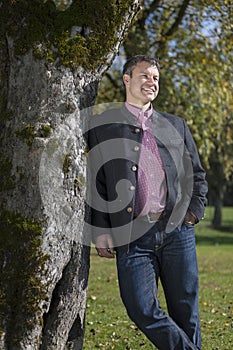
{"x": 148, "y": 190}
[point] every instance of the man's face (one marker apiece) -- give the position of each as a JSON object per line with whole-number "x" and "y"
{"x": 143, "y": 86}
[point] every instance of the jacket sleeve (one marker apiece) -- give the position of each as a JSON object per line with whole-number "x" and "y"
{"x": 200, "y": 187}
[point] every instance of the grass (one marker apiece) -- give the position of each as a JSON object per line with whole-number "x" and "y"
{"x": 107, "y": 324}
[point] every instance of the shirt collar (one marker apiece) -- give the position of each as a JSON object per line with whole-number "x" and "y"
{"x": 136, "y": 111}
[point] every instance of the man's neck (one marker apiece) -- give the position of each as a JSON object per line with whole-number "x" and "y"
{"x": 137, "y": 111}
{"x": 142, "y": 107}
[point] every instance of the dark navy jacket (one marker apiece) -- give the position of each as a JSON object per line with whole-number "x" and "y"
{"x": 114, "y": 148}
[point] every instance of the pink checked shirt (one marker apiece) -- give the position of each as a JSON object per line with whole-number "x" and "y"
{"x": 151, "y": 191}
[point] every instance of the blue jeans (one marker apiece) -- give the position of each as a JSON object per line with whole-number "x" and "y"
{"x": 172, "y": 258}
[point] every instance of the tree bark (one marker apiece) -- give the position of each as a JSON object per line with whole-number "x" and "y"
{"x": 44, "y": 263}
{"x": 217, "y": 189}
{"x": 218, "y": 193}
{"x": 217, "y": 219}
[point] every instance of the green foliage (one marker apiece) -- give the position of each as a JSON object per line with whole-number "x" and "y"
{"x": 80, "y": 35}
{"x": 198, "y": 79}
{"x": 108, "y": 326}
{"x": 21, "y": 287}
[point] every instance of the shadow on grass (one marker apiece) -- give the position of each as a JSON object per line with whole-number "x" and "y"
{"x": 222, "y": 235}
{"x": 225, "y": 229}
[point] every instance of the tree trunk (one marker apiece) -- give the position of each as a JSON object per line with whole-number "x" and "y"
{"x": 44, "y": 263}
{"x": 217, "y": 219}
{"x": 217, "y": 188}
{"x": 218, "y": 203}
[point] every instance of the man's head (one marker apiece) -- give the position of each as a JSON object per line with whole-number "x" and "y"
{"x": 141, "y": 79}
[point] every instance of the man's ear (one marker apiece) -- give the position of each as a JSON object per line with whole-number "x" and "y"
{"x": 126, "y": 79}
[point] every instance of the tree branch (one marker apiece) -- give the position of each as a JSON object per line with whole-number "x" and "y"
{"x": 174, "y": 27}
{"x": 178, "y": 20}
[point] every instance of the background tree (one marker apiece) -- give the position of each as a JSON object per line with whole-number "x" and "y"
{"x": 194, "y": 41}
{"x": 53, "y": 54}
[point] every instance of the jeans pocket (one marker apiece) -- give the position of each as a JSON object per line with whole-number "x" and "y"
{"x": 188, "y": 225}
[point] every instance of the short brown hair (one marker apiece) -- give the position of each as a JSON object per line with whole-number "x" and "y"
{"x": 133, "y": 61}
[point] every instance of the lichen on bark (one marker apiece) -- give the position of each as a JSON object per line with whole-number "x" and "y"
{"x": 29, "y": 132}
{"x": 21, "y": 286}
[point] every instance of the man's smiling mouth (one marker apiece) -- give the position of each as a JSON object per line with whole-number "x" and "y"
{"x": 148, "y": 90}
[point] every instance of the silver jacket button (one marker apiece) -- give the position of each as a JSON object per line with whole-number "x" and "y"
{"x": 134, "y": 168}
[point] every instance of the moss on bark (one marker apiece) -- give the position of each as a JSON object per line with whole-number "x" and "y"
{"x": 81, "y": 35}
{"x": 67, "y": 163}
{"x": 21, "y": 286}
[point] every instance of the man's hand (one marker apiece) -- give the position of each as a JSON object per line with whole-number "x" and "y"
{"x": 104, "y": 246}
{"x": 190, "y": 218}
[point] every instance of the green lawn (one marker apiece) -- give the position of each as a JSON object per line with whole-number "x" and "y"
{"x": 108, "y": 326}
